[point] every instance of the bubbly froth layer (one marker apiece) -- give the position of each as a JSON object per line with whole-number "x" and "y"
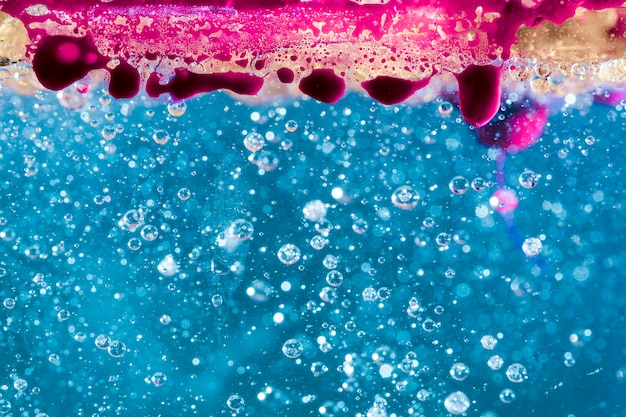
{"x": 319, "y": 48}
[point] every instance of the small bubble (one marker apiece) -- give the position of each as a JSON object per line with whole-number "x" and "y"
{"x": 423, "y": 395}
{"x": 488, "y": 342}
{"x": 383, "y": 293}
{"x": 161, "y": 137}
{"x": 54, "y": 359}
{"x": 132, "y": 220}
{"x": 405, "y": 197}
{"x": 495, "y": 362}
{"x": 116, "y": 349}
{"x": 517, "y": 373}
{"x": 184, "y": 194}
{"x": 158, "y": 379}
{"x": 479, "y": 184}
{"x": 580, "y": 70}
{"x": 289, "y": 254}
{"x": 428, "y": 222}
{"x": 334, "y": 278}
{"x": 102, "y": 341}
{"x": 330, "y": 262}
{"x": 254, "y": 141}
{"x": 9, "y": 303}
{"x": 456, "y": 403}
{"x": 20, "y": 384}
{"x": 242, "y": 229}
{"x": 507, "y": 396}
{"x": 177, "y": 109}
{"x": 318, "y": 242}
{"x": 429, "y": 325}
{"x": 450, "y": 273}
{"x": 532, "y": 246}
{"x": 217, "y": 300}
{"x": 293, "y": 348}
{"x": 529, "y": 179}
{"x": 459, "y": 371}
{"x": 459, "y": 185}
{"x": 318, "y": 368}
{"x": 235, "y": 402}
{"x": 314, "y": 210}
{"x": 445, "y": 108}
{"x": 149, "y": 232}
{"x": 590, "y": 140}
{"x": 63, "y": 315}
{"x": 443, "y": 240}
{"x": 291, "y": 126}
{"x": 369, "y": 294}
{"x": 108, "y": 132}
{"x": 134, "y": 243}
{"x": 328, "y": 295}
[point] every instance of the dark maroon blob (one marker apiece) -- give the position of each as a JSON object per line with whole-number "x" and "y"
{"x": 285, "y": 75}
{"x": 323, "y": 85}
{"x": 390, "y": 90}
{"x": 479, "y": 93}
{"x": 186, "y": 84}
{"x": 125, "y": 81}
{"x": 63, "y": 60}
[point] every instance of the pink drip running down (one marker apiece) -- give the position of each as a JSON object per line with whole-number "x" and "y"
{"x": 72, "y": 38}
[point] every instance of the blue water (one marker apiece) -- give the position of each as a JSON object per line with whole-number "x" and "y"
{"x": 200, "y": 324}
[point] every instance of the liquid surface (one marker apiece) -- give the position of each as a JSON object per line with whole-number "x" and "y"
{"x": 209, "y": 258}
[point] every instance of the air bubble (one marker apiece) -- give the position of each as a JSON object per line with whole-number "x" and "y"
{"x": 184, "y": 194}
{"x": 254, "y": 141}
{"x": 291, "y": 126}
{"x": 134, "y": 243}
{"x": 456, "y": 403}
{"x": 235, "y": 402}
{"x": 495, "y": 362}
{"x": 293, "y": 348}
{"x": 532, "y": 246}
{"x": 459, "y": 371}
{"x": 161, "y": 137}
{"x": 405, "y": 197}
{"x": 459, "y": 185}
{"x": 149, "y": 233}
{"x": 289, "y": 254}
{"x": 488, "y": 342}
{"x": 102, "y": 341}
{"x": 334, "y": 278}
{"x": 529, "y": 179}
{"x": 158, "y": 379}
{"x": 241, "y": 229}
{"x": 116, "y": 349}
{"x": 517, "y": 373}
{"x": 177, "y": 109}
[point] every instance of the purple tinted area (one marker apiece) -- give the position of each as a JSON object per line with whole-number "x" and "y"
{"x": 390, "y": 90}
{"x": 323, "y": 85}
{"x": 479, "y": 93}
{"x": 185, "y": 84}
{"x": 521, "y": 127}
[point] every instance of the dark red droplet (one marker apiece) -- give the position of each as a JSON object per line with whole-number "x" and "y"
{"x": 479, "y": 93}
{"x": 125, "y": 81}
{"x": 390, "y": 90}
{"x": 185, "y": 84}
{"x": 323, "y": 85}
{"x": 63, "y": 60}
{"x": 285, "y": 75}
